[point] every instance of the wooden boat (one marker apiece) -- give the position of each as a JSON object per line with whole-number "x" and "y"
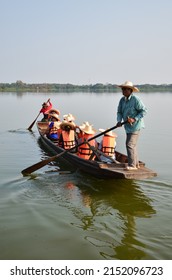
{"x": 116, "y": 170}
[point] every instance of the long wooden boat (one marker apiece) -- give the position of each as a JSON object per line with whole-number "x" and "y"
{"x": 99, "y": 169}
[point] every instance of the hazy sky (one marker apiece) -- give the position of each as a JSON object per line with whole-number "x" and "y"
{"x": 86, "y": 41}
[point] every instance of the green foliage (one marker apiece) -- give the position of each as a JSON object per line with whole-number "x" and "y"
{"x": 19, "y": 86}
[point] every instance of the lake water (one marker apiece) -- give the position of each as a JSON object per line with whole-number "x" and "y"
{"x": 57, "y": 215}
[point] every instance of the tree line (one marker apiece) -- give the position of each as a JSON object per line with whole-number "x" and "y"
{"x": 20, "y": 86}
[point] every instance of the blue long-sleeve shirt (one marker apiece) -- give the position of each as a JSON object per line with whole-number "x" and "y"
{"x": 132, "y": 107}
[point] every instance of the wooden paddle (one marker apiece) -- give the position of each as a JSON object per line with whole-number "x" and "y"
{"x": 44, "y": 162}
{"x": 32, "y": 124}
{"x": 97, "y": 152}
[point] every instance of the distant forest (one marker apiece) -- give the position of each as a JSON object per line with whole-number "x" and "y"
{"x": 19, "y": 86}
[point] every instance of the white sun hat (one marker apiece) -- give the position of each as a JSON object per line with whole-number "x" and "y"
{"x": 129, "y": 84}
{"x": 87, "y": 128}
{"x": 68, "y": 117}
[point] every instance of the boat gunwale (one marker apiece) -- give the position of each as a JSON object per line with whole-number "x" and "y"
{"x": 96, "y": 168}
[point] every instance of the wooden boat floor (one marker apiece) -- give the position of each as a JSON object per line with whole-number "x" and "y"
{"x": 141, "y": 173}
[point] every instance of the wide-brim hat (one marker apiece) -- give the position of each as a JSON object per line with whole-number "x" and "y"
{"x": 83, "y": 125}
{"x": 87, "y": 128}
{"x": 129, "y": 84}
{"x": 52, "y": 111}
{"x": 65, "y": 124}
{"x": 56, "y": 116}
{"x": 109, "y": 133}
{"x": 69, "y": 117}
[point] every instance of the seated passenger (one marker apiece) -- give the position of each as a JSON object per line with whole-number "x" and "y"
{"x": 67, "y": 138}
{"x": 107, "y": 145}
{"x": 70, "y": 118}
{"x": 54, "y": 127}
{"x": 51, "y": 112}
{"x": 79, "y": 132}
{"x": 86, "y": 131}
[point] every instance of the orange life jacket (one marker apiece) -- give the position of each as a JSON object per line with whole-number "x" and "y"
{"x": 108, "y": 145}
{"x": 68, "y": 139}
{"x": 54, "y": 129}
{"x": 84, "y": 150}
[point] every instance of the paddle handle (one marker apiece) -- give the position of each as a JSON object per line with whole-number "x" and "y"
{"x": 104, "y": 132}
{"x": 32, "y": 124}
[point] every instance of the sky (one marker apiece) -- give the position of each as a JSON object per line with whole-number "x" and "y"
{"x": 86, "y": 41}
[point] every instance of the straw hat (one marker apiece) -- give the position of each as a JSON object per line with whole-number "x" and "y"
{"x": 52, "y": 111}
{"x": 87, "y": 128}
{"x": 69, "y": 117}
{"x": 129, "y": 84}
{"x": 65, "y": 124}
{"x": 56, "y": 116}
{"x": 81, "y": 127}
{"x": 110, "y": 133}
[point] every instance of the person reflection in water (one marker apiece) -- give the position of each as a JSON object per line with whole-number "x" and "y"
{"x": 125, "y": 209}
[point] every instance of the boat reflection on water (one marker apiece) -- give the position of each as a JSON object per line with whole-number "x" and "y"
{"x": 110, "y": 216}
{"x": 112, "y": 213}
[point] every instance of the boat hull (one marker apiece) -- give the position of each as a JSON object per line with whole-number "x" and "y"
{"x": 97, "y": 168}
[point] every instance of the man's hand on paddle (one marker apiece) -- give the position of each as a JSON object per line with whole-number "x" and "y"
{"x": 131, "y": 120}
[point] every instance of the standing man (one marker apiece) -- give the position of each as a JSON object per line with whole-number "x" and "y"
{"x": 132, "y": 110}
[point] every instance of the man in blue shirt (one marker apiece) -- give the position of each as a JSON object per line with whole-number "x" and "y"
{"x": 132, "y": 110}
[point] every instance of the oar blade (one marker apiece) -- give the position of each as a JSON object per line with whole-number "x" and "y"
{"x": 30, "y": 127}
{"x": 35, "y": 166}
{"x": 40, "y": 164}
{"x": 32, "y": 124}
